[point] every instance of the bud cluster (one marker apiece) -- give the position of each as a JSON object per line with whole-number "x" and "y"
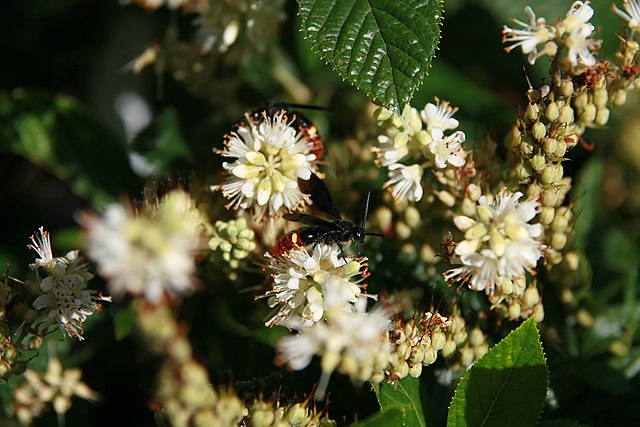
{"x": 462, "y": 347}
{"x": 232, "y": 241}
{"x": 267, "y": 414}
{"x": 416, "y": 343}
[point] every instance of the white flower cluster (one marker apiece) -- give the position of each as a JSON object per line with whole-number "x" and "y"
{"x": 499, "y": 243}
{"x": 64, "y": 289}
{"x": 571, "y": 36}
{"x": 149, "y": 253}
{"x": 320, "y": 297}
{"x": 405, "y": 139}
{"x": 269, "y": 156}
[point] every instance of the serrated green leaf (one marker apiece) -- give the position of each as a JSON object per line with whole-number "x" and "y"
{"x": 506, "y": 387}
{"x": 403, "y": 397}
{"x": 390, "y": 417}
{"x": 383, "y": 47}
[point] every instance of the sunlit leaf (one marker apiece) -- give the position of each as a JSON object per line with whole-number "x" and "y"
{"x": 383, "y": 47}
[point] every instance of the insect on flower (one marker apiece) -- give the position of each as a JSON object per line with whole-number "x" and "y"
{"x": 320, "y": 230}
{"x": 300, "y": 122}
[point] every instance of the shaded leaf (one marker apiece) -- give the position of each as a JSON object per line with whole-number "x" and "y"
{"x": 507, "y": 386}
{"x": 54, "y": 132}
{"x": 383, "y": 47}
{"x": 124, "y": 322}
{"x": 403, "y": 397}
{"x": 390, "y": 417}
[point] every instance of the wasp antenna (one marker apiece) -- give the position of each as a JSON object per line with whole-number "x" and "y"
{"x": 376, "y": 234}
{"x": 366, "y": 208}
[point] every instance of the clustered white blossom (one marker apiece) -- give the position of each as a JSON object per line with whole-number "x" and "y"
{"x": 269, "y": 157}
{"x": 499, "y": 243}
{"x": 55, "y": 387}
{"x": 64, "y": 289}
{"x": 302, "y": 279}
{"x": 632, "y": 14}
{"x": 319, "y": 295}
{"x": 355, "y": 343}
{"x": 149, "y": 253}
{"x": 406, "y": 140}
{"x": 571, "y": 36}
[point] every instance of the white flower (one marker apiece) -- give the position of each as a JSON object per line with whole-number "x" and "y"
{"x": 439, "y": 116}
{"x": 534, "y": 33}
{"x": 270, "y": 156}
{"x": 632, "y": 16}
{"x": 581, "y": 47}
{"x": 302, "y": 281}
{"x": 447, "y": 149}
{"x": 391, "y": 150}
{"x": 404, "y": 182}
{"x": 404, "y": 135}
{"x": 151, "y": 253}
{"x": 499, "y": 243}
{"x": 355, "y": 343}
{"x": 579, "y": 14}
{"x": 65, "y": 294}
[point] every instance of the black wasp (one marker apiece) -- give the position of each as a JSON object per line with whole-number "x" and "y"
{"x": 319, "y": 230}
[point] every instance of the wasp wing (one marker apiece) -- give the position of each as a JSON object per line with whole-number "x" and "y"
{"x": 306, "y": 219}
{"x": 320, "y": 196}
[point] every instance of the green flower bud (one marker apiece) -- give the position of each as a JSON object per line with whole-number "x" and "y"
{"x": 602, "y": 117}
{"x": 533, "y": 111}
{"x": 581, "y": 100}
{"x": 561, "y": 150}
{"x": 546, "y": 215}
{"x": 415, "y": 370}
{"x": 523, "y": 172}
{"x": 538, "y": 130}
{"x": 549, "y": 197}
{"x": 619, "y": 97}
{"x": 566, "y": 88}
{"x": 5, "y": 370}
{"x": 588, "y": 114}
{"x": 558, "y": 240}
{"x": 531, "y": 296}
{"x": 550, "y": 146}
{"x": 552, "y": 112}
{"x": 514, "y": 310}
{"x": 566, "y": 115}
{"x": 538, "y": 162}
{"x": 600, "y": 97}
{"x": 533, "y": 190}
{"x": 573, "y": 260}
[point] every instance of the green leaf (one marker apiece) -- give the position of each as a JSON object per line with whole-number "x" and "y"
{"x": 124, "y": 322}
{"x": 383, "y": 47}
{"x": 507, "y": 386}
{"x": 57, "y": 134}
{"x": 162, "y": 142}
{"x": 401, "y": 399}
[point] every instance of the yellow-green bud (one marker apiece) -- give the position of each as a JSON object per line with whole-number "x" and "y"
{"x": 581, "y": 100}
{"x": 533, "y": 190}
{"x": 550, "y": 145}
{"x": 538, "y": 130}
{"x": 449, "y": 348}
{"x": 430, "y": 356}
{"x": 382, "y": 114}
{"x": 526, "y": 148}
{"x": 474, "y": 192}
{"x": 415, "y": 370}
{"x": 620, "y": 97}
{"x": 558, "y": 240}
{"x": 383, "y": 217}
{"x": 5, "y": 370}
{"x": 468, "y": 207}
{"x": 514, "y": 137}
{"x": 533, "y": 111}
{"x": 506, "y": 287}
{"x": 438, "y": 340}
{"x": 546, "y": 215}
{"x": 573, "y": 261}
{"x": 600, "y": 97}
{"x": 552, "y": 112}
{"x": 588, "y": 113}
{"x": 566, "y": 88}
{"x": 476, "y": 337}
{"x": 403, "y": 231}
{"x": 34, "y": 343}
{"x": 602, "y": 117}
{"x": 549, "y": 197}
{"x": 561, "y": 150}
{"x": 566, "y": 115}
{"x": 531, "y": 296}
{"x": 523, "y": 172}
{"x": 10, "y": 353}
{"x": 551, "y": 174}
{"x": 412, "y": 217}
{"x": 514, "y": 310}
{"x": 560, "y": 223}
{"x": 538, "y": 162}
